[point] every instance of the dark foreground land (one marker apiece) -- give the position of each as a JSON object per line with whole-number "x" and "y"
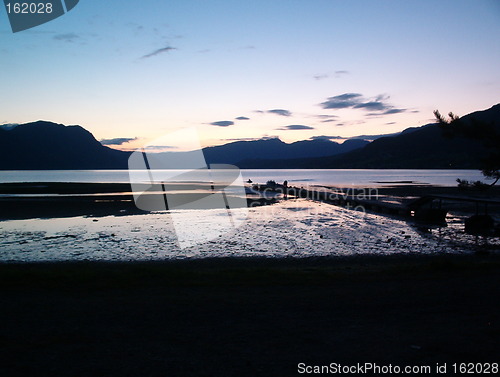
{"x": 248, "y": 317}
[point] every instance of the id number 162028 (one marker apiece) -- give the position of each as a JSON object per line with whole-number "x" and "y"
{"x": 475, "y": 368}
{"x": 29, "y": 8}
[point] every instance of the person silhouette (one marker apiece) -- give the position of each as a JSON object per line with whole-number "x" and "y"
{"x": 285, "y": 189}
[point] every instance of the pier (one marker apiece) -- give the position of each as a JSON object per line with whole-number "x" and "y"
{"x": 431, "y": 209}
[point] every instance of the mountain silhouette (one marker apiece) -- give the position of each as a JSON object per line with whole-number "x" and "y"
{"x": 424, "y": 147}
{"x": 45, "y": 145}
{"x": 238, "y": 151}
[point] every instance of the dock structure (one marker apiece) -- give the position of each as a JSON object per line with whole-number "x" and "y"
{"x": 481, "y": 223}
{"x": 478, "y": 202}
{"x": 429, "y": 208}
{"x": 351, "y": 199}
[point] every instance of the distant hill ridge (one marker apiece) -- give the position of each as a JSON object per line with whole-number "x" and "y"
{"x": 235, "y": 152}
{"x": 46, "y": 145}
{"x": 422, "y": 147}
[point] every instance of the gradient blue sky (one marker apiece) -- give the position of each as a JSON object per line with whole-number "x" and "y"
{"x": 139, "y": 69}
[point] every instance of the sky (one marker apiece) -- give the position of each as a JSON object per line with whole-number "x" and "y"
{"x": 133, "y": 71}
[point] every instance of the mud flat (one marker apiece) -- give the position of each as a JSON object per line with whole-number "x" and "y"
{"x": 297, "y": 228}
{"x": 59, "y": 200}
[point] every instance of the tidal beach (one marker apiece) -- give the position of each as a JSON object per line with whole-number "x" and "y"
{"x": 96, "y": 287}
{"x": 100, "y": 222}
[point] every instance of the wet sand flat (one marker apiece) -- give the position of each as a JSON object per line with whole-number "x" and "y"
{"x": 292, "y": 228}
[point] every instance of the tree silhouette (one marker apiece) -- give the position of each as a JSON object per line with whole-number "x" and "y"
{"x": 482, "y": 131}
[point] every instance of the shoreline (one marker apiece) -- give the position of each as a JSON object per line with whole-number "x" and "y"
{"x": 46, "y": 199}
{"x": 330, "y": 266}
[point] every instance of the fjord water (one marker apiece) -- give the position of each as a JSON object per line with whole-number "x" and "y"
{"x": 296, "y": 177}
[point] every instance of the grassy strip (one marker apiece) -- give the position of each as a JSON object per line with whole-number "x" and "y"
{"x": 241, "y": 271}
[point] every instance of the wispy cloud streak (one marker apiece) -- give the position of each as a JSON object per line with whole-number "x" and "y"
{"x": 282, "y": 112}
{"x": 222, "y": 123}
{"x": 294, "y": 127}
{"x": 117, "y": 140}
{"x": 377, "y": 104}
{"x": 159, "y": 51}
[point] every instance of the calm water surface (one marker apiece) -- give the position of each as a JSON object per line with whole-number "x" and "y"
{"x": 297, "y": 177}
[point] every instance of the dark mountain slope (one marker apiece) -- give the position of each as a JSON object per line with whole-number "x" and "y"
{"x": 47, "y": 145}
{"x": 424, "y": 147}
{"x": 234, "y": 153}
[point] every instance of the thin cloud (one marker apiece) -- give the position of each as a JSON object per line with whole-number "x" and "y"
{"x": 117, "y": 140}
{"x": 282, "y": 112}
{"x": 159, "y": 51}
{"x": 222, "y": 123}
{"x": 341, "y": 73}
{"x": 68, "y": 37}
{"x": 325, "y": 137}
{"x": 394, "y": 111}
{"x": 294, "y": 127}
{"x": 242, "y": 118}
{"x": 386, "y": 112}
{"x": 336, "y": 74}
{"x": 252, "y": 138}
{"x": 321, "y": 76}
{"x": 350, "y": 123}
{"x": 160, "y": 148}
{"x": 342, "y": 101}
{"x": 372, "y": 106}
{"x": 327, "y": 118}
{"x": 378, "y": 105}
